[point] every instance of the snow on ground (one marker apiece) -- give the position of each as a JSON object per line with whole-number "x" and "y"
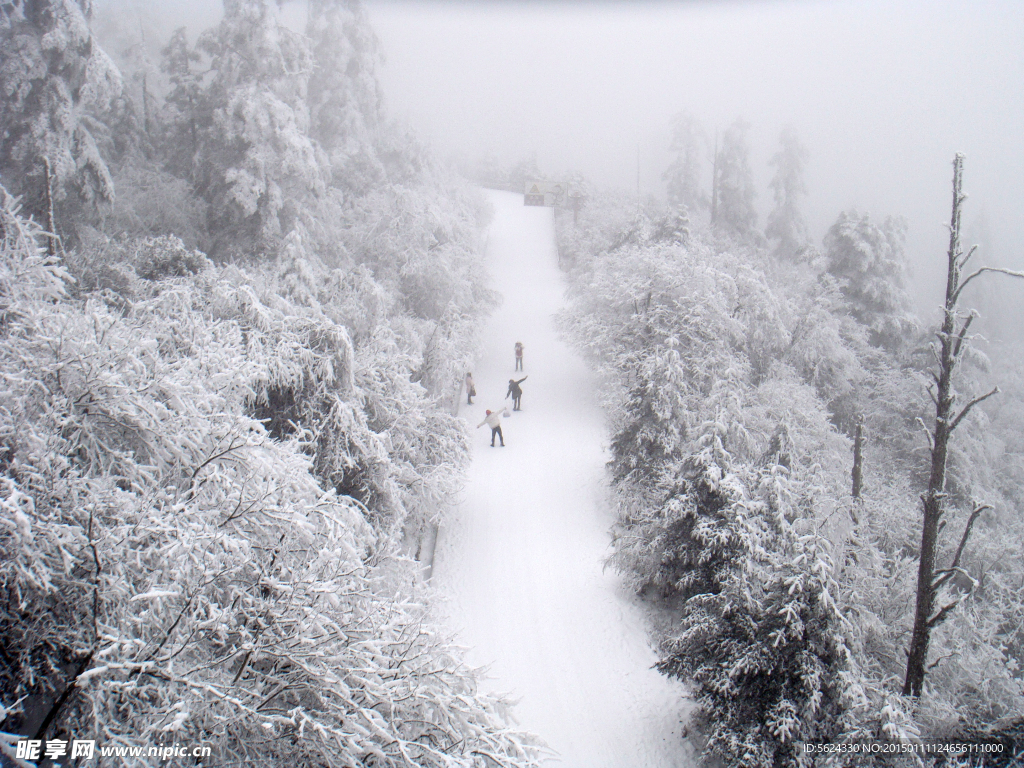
{"x": 523, "y": 559}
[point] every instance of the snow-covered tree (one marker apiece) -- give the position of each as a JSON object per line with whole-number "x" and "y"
{"x": 733, "y": 192}
{"x": 258, "y": 163}
{"x": 52, "y": 73}
{"x": 871, "y": 267}
{"x": 177, "y": 566}
{"x": 345, "y": 98}
{"x": 185, "y": 114}
{"x": 786, "y": 223}
{"x": 759, "y": 635}
{"x": 682, "y": 177}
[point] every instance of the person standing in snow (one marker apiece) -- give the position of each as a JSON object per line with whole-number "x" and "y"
{"x": 516, "y": 391}
{"x": 470, "y": 389}
{"x": 493, "y": 420}
{"x": 519, "y": 355}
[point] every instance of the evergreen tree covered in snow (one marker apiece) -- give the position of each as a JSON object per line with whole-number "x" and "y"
{"x": 759, "y": 634}
{"x": 52, "y": 73}
{"x": 258, "y": 165}
{"x": 682, "y": 177}
{"x": 185, "y": 116}
{"x": 734, "y": 183}
{"x": 870, "y": 265}
{"x": 786, "y": 223}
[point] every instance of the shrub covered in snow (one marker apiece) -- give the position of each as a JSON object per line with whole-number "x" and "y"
{"x": 181, "y": 565}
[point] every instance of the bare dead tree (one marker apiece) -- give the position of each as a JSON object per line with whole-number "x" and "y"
{"x": 858, "y": 459}
{"x": 51, "y": 230}
{"x": 951, "y": 337}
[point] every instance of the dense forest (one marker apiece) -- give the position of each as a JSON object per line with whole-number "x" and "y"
{"x": 236, "y": 305}
{"x": 772, "y": 434}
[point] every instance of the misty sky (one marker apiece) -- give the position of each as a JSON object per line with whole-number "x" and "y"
{"x": 882, "y": 94}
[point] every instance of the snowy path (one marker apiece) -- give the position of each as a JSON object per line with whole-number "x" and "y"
{"x": 522, "y": 560}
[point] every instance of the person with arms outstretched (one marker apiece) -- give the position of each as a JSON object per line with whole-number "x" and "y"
{"x": 516, "y": 391}
{"x": 493, "y": 420}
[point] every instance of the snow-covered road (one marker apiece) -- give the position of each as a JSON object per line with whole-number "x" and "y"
{"x": 522, "y": 560}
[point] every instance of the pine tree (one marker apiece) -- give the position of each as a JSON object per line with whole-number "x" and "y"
{"x": 786, "y": 223}
{"x": 257, "y": 161}
{"x": 759, "y": 636}
{"x": 682, "y": 177}
{"x": 871, "y": 267}
{"x": 186, "y": 114}
{"x": 734, "y": 183}
{"x": 52, "y": 73}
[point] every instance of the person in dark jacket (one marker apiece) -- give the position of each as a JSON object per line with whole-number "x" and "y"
{"x": 516, "y": 391}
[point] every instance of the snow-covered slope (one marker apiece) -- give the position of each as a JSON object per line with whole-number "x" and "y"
{"x": 523, "y": 560}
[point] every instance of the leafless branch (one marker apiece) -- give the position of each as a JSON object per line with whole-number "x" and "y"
{"x": 978, "y": 509}
{"x": 927, "y": 433}
{"x": 967, "y": 408}
{"x": 940, "y": 617}
{"x": 970, "y": 253}
{"x": 963, "y": 332}
{"x": 1000, "y": 270}
{"x": 941, "y": 659}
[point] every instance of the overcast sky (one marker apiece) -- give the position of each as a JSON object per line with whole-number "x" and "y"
{"x": 883, "y": 95}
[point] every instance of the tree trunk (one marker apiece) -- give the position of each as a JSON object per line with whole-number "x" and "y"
{"x": 145, "y": 105}
{"x": 858, "y": 459}
{"x": 917, "y": 656}
{"x": 51, "y": 232}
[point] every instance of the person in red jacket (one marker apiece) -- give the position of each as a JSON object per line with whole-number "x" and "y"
{"x": 519, "y": 355}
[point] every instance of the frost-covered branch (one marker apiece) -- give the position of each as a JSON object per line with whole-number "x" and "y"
{"x": 999, "y": 270}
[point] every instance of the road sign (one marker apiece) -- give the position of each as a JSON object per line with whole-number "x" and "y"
{"x": 550, "y": 193}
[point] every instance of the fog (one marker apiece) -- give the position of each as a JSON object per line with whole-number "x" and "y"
{"x": 882, "y": 95}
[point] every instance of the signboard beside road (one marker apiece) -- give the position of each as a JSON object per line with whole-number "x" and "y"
{"x": 549, "y": 193}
